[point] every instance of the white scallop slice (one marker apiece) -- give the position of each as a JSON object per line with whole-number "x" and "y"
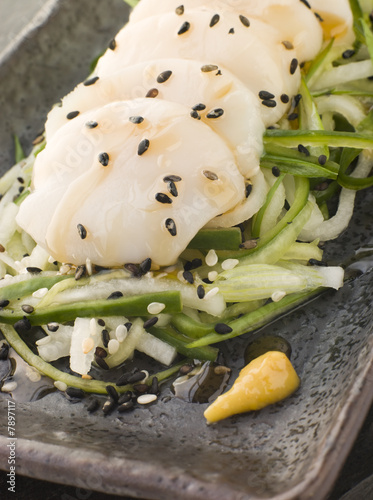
{"x": 337, "y": 19}
{"x": 254, "y": 54}
{"x": 116, "y": 203}
{"x": 240, "y": 126}
{"x": 294, "y": 21}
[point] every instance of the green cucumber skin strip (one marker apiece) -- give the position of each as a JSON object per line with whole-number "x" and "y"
{"x": 180, "y": 342}
{"x": 297, "y": 167}
{"x": 256, "y": 319}
{"x": 26, "y": 287}
{"x": 258, "y": 218}
{"x": 124, "y": 306}
{"x": 91, "y": 386}
{"x": 218, "y": 239}
{"x": 189, "y": 326}
{"x": 292, "y": 138}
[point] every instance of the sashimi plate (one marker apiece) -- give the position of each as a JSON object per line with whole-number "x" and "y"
{"x": 293, "y": 449}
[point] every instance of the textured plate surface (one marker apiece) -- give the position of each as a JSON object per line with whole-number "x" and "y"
{"x": 291, "y": 450}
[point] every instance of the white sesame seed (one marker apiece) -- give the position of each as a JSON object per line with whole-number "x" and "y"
{"x": 212, "y": 275}
{"x": 211, "y": 293}
{"x": 113, "y": 346}
{"x": 61, "y": 386}
{"x": 32, "y": 374}
{"x": 88, "y": 266}
{"x": 211, "y": 258}
{"x": 180, "y": 277}
{"x": 87, "y": 345}
{"x": 9, "y": 386}
{"x": 145, "y": 399}
{"x": 161, "y": 275}
{"x": 278, "y": 295}
{"x": 92, "y": 327}
{"x": 121, "y": 333}
{"x": 155, "y": 307}
{"x": 42, "y": 292}
{"x": 228, "y": 264}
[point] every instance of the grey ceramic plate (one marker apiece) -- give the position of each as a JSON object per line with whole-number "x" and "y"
{"x": 291, "y": 450}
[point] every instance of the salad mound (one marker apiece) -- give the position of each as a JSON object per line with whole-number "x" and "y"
{"x": 183, "y": 190}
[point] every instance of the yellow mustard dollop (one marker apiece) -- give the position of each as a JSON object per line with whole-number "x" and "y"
{"x": 264, "y": 381}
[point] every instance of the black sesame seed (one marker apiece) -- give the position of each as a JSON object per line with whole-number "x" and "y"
{"x": 172, "y": 189}
{"x": 91, "y": 124}
{"x": 288, "y": 45}
{"x": 53, "y": 327}
{"x": 163, "y": 198}
{"x": 105, "y": 337}
{"x": 141, "y": 388}
{"x": 296, "y": 100}
{"x": 101, "y": 363}
{"x": 248, "y": 189}
{"x": 136, "y": 377}
{"x": 22, "y": 324}
{"x": 164, "y": 76}
{"x": 222, "y": 328}
{"x": 115, "y": 295}
{"x": 209, "y": 67}
{"x": 244, "y": 21}
{"x": 4, "y": 351}
{"x": 33, "y": 270}
{"x": 125, "y": 397}
{"x": 125, "y": 406}
{"x": 218, "y": 73}
{"x": 303, "y": 149}
{"x": 306, "y": 3}
{"x": 171, "y": 226}
{"x": 128, "y": 325}
{"x": 172, "y": 178}
{"x": 152, "y": 93}
{"x": 2, "y": 248}
{"x": 72, "y": 114}
{"x": 123, "y": 379}
{"x": 143, "y": 146}
{"x": 199, "y": 107}
{"x": 91, "y": 81}
{"x": 21, "y": 180}
{"x": 145, "y": 265}
{"x": 100, "y": 352}
{"x": 108, "y": 407}
{"x": 150, "y": 322}
{"x": 27, "y": 309}
{"x": 270, "y": 103}
{"x": 284, "y": 98}
{"x": 82, "y": 231}
{"x": 113, "y": 394}
{"x": 201, "y": 291}
{"x": 136, "y": 119}
{"x": 193, "y": 264}
{"x": 184, "y": 28}
{"x": 21, "y": 189}
{"x": 103, "y": 158}
{"x": 154, "y": 388}
{"x": 188, "y": 276}
{"x": 75, "y": 393}
{"x": 348, "y": 53}
{"x": 322, "y": 159}
{"x": 315, "y": 262}
{"x": 179, "y": 10}
{"x": 215, "y": 113}
{"x": 101, "y": 322}
{"x": 264, "y": 95}
{"x": 211, "y": 176}
{"x": 214, "y": 20}
{"x": 112, "y": 44}
{"x": 207, "y": 281}
{"x": 317, "y": 15}
{"x": 194, "y": 114}
{"x": 80, "y": 272}
{"x": 293, "y": 65}
{"x": 276, "y": 171}
{"x": 93, "y": 405}
{"x": 292, "y": 117}
{"x": 134, "y": 269}
{"x": 231, "y": 31}
{"x": 4, "y": 303}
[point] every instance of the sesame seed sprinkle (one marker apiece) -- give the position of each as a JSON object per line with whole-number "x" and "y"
{"x": 4, "y": 303}
{"x": 276, "y": 171}
{"x": 201, "y": 291}
{"x": 248, "y": 189}
{"x": 91, "y": 124}
{"x": 179, "y": 10}
{"x": 199, "y": 107}
{"x": 211, "y": 293}
{"x": 306, "y": 4}
{"x": 136, "y": 119}
{"x": 163, "y": 198}
{"x": 171, "y": 226}
{"x": 164, "y": 76}
{"x": 82, "y": 231}
{"x": 172, "y": 189}
{"x": 228, "y": 264}
{"x": 293, "y": 65}
{"x": 143, "y": 146}
{"x": 209, "y": 67}
{"x": 184, "y": 28}
{"x": 317, "y": 15}
{"x": 172, "y": 178}
{"x": 214, "y": 20}
{"x": 145, "y": 265}
{"x": 194, "y": 114}
{"x": 348, "y": 53}
{"x": 292, "y": 117}
{"x": 72, "y": 115}
{"x": 91, "y": 81}
{"x": 113, "y": 346}
{"x": 284, "y": 98}
{"x": 269, "y": 103}
{"x": 222, "y": 328}
{"x": 288, "y": 45}
{"x": 112, "y": 44}
{"x": 115, "y": 295}
{"x": 103, "y": 158}
{"x": 231, "y": 31}
{"x": 188, "y": 276}
{"x": 215, "y": 113}
{"x": 303, "y": 149}
{"x": 244, "y": 21}
{"x": 152, "y": 93}
{"x": 211, "y": 176}
{"x": 149, "y": 323}
{"x": 146, "y": 399}
{"x": 322, "y": 159}
{"x": 155, "y": 307}
{"x": 264, "y": 94}
{"x": 211, "y": 258}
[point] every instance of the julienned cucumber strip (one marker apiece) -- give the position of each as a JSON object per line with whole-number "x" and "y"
{"x": 285, "y": 154}
{"x": 92, "y": 386}
{"x": 297, "y": 167}
{"x": 123, "y": 306}
{"x": 219, "y": 239}
{"x": 347, "y": 181}
{"x": 318, "y": 61}
{"x": 258, "y": 218}
{"x": 28, "y": 286}
{"x": 292, "y": 138}
{"x": 256, "y": 319}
